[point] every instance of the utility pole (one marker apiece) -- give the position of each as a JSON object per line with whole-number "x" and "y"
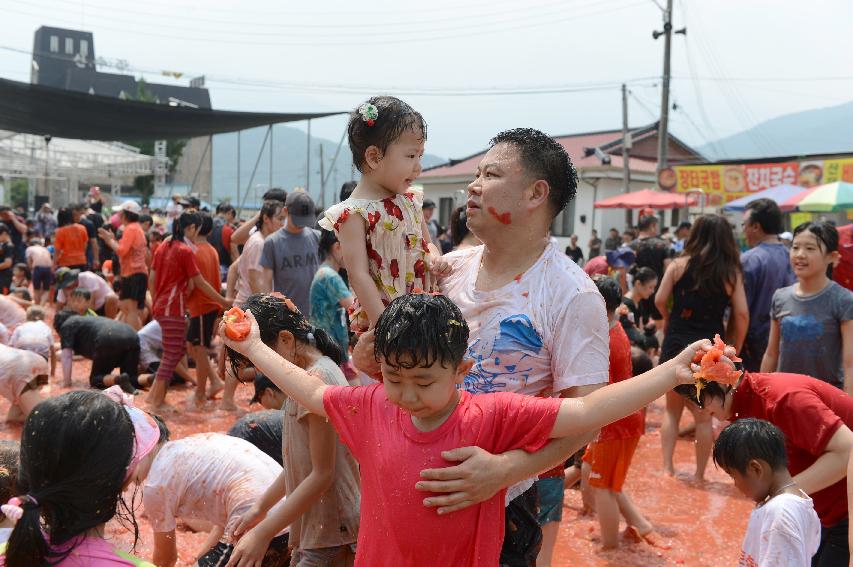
{"x": 308, "y": 161}
{"x": 626, "y": 146}
{"x": 322, "y": 180}
{"x": 663, "y": 127}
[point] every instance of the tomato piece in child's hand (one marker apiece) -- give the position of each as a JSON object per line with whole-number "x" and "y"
{"x": 237, "y": 325}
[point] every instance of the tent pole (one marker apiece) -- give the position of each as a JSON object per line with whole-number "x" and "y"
{"x": 332, "y": 167}
{"x": 308, "y": 161}
{"x": 271, "y": 154}
{"x": 254, "y": 171}
{"x": 238, "y": 172}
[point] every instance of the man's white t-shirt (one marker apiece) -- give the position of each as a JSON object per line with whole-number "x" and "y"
{"x": 208, "y": 476}
{"x": 150, "y": 343}
{"x": 97, "y": 286}
{"x": 784, "y": 532}
{"x": 35, "y": 336}
{"x": 541, "y": 333}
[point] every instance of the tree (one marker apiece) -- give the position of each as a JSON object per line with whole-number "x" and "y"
{"x": 144, "y": 184}
{"x": 18, "y": 192}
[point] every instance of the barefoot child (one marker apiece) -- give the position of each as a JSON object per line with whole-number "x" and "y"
{"x": 609, "y": 457}
{"x": 173, "y": 269}
{"x": 385, "y": 240}
{"x": 783, "y": 530}
{"x": 399, "y": 427}
{"x": 320, "y": 475}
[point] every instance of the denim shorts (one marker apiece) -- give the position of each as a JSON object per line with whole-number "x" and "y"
{"x": 550, "y": 507}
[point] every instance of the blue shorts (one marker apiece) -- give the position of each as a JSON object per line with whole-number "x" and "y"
{"x": 42, "y": 277}
{"x": 550, "y": 507}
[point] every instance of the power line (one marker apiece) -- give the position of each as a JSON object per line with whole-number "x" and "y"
{"x": 408, "y": 37}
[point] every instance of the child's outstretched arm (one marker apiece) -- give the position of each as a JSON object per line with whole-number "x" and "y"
{"x": 352, "y": 236}
{"x": 303, "y": 387}
{"x": 615, "y": 401}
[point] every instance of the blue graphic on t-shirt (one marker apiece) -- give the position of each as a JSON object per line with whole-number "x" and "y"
{"x": 517, "y": 339}
{"x": 800, "y": 328}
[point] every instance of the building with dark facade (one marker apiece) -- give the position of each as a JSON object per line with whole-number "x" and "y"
{"x": 66, "y": 59}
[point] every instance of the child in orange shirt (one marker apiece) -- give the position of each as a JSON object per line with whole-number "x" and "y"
{"x": 610, "y": 455}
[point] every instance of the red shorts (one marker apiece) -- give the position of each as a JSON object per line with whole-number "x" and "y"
{"x": 609, "y": 462}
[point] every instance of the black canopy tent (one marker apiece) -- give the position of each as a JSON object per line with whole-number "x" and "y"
{"x": 47, "y": 111}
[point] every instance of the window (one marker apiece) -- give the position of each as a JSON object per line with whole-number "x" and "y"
{"x": 84, "y": 47}
{"x": 69, "y": 46}
{"x": 54, "y": 44}
{"x": 564, "y": 223}
{"x": 445, "y": 209}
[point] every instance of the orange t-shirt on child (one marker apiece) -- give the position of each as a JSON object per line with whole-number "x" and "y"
{"x": 207, "y": 259}
{"x": 71, "y": 240}
{"x": 133, "y": 250}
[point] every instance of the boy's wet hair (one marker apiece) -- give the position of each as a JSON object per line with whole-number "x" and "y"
{"x": 80, "y": 292}
{"x": 418, "y": 330}
{"x": 206, "y": 226}
{"x": 9, "y": 463}
{"x": 543, "y": 158}
{"x": 825, "y": 233}
{"x": 395, "y": 117}
{"x": 610, "y": 290}
{"x": 748, "y": 439}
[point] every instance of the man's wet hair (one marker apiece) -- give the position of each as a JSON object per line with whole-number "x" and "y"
{"x": 543, "y": 158}
{"x": 418, "y": 330}
{"x": 748, "y": 439}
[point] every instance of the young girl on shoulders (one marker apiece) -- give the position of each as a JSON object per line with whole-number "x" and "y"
{"x": 386, "y": 243}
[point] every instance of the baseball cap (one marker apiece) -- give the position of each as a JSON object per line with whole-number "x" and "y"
{"x": 190, "y": 201}
{"x": 261, "y": 384}
{"x": 65, "y": 277}
{"x": 130, "y": 206}
{"x": 300, "y": 209}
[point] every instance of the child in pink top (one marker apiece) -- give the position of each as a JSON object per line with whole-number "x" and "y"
{"x": 400, "y": 427}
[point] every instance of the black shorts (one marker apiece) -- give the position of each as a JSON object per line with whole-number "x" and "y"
{"x": 522, "y": 533}
{"x": 122, "y": 354}
{"x": 42, "y": 278}
{"x": 177, "y": 380}
{"x": 277, "y": 554}
{"x": 135, "y": 287}
{"x": 200, "y": 331}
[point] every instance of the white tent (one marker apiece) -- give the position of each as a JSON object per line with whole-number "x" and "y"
{"x": 64, "y": 162}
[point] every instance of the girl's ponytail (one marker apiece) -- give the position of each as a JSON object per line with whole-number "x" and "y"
{"x": 327, "y": 345}
{"x": 181, "y": 223}
{"x": 27, "y": 546}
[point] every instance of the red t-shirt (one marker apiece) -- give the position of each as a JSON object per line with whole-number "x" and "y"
{"x": 174, "y": 265}
{"x": 208, "y": 264}
{"x": 843, "y": 271}
{"x": 396, "y": 529}
{"x": 227, "y": 231}
{"x": 809, "y": 412}
{"x": 621, "y": 369}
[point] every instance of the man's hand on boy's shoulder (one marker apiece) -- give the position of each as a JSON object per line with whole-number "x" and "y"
{"x": 478, "y": 476}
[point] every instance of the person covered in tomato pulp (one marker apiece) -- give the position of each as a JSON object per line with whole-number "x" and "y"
{"x": 386, "y": 244}
{"x": 396, "y": 428}
{"x": 783, "y": 530}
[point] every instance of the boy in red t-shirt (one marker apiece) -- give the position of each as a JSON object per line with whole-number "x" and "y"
{"x": 401, "y": 426}
{"x": 610, "y": 455}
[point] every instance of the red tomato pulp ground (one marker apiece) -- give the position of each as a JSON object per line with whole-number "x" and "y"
{"x": 704, "y": 524}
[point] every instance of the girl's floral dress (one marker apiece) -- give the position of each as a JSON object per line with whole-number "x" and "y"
{"x": 396, "y": 249}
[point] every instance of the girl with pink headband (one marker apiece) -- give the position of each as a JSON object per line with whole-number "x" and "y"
{"x": 79, "y": 451}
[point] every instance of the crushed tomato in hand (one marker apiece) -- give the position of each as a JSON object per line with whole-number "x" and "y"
{"x": 713, "y": 368}
{"x": 237, "y": 325}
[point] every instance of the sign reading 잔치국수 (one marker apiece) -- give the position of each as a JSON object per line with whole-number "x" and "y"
{"x": 724, "y": 183}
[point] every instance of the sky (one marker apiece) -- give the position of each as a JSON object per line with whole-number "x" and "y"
{"x": 740, "y": 63}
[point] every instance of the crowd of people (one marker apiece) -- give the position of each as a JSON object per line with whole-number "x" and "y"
{"x": 451, "y": 381}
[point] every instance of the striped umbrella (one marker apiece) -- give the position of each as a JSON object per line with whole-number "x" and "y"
{"x": 828, "y": 198}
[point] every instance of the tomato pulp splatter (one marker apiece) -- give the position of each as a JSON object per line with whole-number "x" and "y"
{"x": 503, "y": 218}
{"x": 237, "y": 326}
